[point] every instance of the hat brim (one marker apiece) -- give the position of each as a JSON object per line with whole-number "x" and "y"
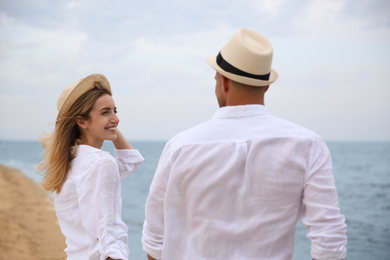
{"x": 81, "y": 87}
{"x": 212, "y": 61}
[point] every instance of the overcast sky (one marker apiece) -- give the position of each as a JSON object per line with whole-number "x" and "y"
{"x": 332, "y": 57}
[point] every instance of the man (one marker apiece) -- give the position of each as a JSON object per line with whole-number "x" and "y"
{"x": 234, "y": 187}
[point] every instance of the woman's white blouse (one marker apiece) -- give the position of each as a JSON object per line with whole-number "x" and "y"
{"x": 89, "y": 205}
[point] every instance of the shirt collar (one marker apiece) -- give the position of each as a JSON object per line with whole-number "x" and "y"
{"x": 85, "y": 149}
{"x": 240, "y": 111}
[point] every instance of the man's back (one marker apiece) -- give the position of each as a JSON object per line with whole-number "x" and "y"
{"x": 234, "y": 189}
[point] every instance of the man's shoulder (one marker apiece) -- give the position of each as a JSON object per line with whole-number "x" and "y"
{"x": 291, "y": 128}
{"x": 268, "y": 127}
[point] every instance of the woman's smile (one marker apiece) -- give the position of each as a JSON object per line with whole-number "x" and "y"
{"x": 111, "y": 129}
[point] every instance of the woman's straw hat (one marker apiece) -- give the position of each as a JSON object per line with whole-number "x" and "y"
{"x": 71, "y": 93}
{"x": 246, "y": 58}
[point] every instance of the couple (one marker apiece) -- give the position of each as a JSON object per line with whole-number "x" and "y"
{"x": 231, "y": 188}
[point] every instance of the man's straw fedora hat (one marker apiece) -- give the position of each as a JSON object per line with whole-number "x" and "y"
{"x": 246, "y": 58}
{"x": 71, "y": 93}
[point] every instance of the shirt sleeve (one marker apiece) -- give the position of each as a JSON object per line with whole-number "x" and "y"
{"x": 97, "y": 206}
{"x": 129, "y": 160}
{"x": 153, "y": 229}
{"x": 321, "y": 217}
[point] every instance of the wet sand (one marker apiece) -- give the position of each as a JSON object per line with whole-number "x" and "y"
{"x": 28, "y": 223}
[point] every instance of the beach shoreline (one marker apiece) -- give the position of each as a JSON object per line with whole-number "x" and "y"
{"x": 28, "y": 223}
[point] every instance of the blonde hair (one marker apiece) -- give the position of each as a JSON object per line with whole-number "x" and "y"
{"x": 59, "y": 147}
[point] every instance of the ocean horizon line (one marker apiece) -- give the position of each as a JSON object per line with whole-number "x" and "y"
{"x": 37, "y": 140}
{"x": 166, "y": 140}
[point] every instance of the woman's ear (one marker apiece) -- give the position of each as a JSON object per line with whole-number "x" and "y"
{"x": 81, "y": 122}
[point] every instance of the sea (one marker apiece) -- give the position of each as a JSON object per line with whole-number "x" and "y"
{"x": 361, "y": 171}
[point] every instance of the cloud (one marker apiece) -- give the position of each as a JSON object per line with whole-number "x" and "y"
{"x": 269, "y": 7}
{"x": 342, "y": 20}
{"x": 16, "y": 34}
{"x": 154, "y": 55}
{"x": 29, "y": 51}
{"x": 72, "y": 5}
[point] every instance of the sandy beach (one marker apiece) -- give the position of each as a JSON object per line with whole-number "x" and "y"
{"x": 28, "y": 223}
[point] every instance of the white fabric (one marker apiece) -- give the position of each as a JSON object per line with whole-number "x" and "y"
{"x": 89, "y": 205}
{"x": 234, "y": 188}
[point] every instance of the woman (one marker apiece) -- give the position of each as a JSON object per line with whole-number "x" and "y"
{"x": 86, "y": 179}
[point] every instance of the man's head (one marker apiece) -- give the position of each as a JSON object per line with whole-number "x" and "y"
{"x": 246, "y": 58}
{"x": 243, "y": 65}
{"x": 232, "y": 93}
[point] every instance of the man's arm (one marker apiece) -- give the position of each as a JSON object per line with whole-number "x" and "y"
{"x": 153, "y": 229}
{"x": 321, "y": 213}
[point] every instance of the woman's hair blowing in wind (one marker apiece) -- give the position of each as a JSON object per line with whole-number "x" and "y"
{"x": 60, "y": 146}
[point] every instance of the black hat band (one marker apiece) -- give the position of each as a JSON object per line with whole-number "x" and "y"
{"x": 226, "y": 66}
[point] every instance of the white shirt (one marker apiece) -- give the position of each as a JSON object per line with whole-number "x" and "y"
{"x": 234, "y": 188}
{"x": 89, "y": 205}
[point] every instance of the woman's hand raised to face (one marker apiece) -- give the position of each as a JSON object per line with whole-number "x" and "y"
{"x": 121, "y": 142}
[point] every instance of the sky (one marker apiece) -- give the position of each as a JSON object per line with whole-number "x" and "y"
{"x": 332, "y": 57}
